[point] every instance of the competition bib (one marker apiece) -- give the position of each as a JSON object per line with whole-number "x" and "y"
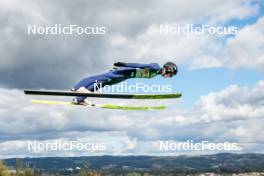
{"x": 144, "y": 73}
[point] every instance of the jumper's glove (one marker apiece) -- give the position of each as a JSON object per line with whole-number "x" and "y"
{"x": 119, "y": 64}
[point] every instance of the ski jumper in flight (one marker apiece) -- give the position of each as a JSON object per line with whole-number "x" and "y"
{"x": 122, "y": 72}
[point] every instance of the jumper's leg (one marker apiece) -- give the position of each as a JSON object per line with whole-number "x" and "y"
{"x": 82, "y": 100}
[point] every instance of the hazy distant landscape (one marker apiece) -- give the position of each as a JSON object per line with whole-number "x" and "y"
{"x": 122, "y": 165}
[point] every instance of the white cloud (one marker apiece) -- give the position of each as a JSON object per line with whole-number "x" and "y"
{"x": 200, "y": 51}
{"x": 234, "y": 103}
{"x": 246, "y": 49}
{"x": 233, "y": 114}
{"x": 243, "y": 50}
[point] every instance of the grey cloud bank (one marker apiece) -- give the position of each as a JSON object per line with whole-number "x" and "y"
{"x": 59, "y": 62}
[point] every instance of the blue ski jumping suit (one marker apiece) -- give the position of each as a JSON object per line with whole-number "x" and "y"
{"x": 129, "y": 70}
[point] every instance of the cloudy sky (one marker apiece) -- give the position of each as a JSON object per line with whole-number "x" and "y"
{"x": 220, "y": 76}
